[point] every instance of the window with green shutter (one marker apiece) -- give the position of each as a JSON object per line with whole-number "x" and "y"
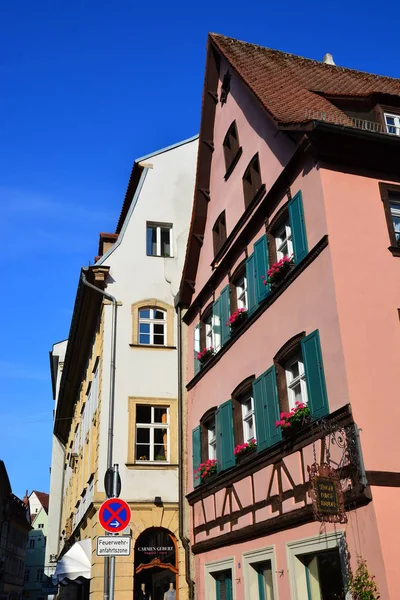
{"x": 216, "y": 325}
{"x": 261, "y": 267}
{"x": 196, "y": 454}
{"x": 196, "y": 348}
{"x": 224, "y": 435}
{"x": 298, "y": 227}
{"x": 314, "y": 375}
{"x": 251, "y": 284}
{"x": 225, "y": 312}
{"x": 266, "y": 408}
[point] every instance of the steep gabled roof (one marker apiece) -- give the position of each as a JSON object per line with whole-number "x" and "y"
{"x": 43, "y": 499}
{"x": 290, "y": 86}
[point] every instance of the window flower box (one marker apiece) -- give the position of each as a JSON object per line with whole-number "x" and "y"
{"x": 292, "y": 422}
{"x": 242, "y": 450}
{"x": 237, "y": 318}
{"x": 278, "y": 271}
{"x": 206, "y": 471}
{"x": 205, "y": 355}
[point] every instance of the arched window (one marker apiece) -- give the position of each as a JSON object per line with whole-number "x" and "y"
{"x": 152, "y": 326}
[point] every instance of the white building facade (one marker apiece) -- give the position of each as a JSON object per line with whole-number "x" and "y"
{"x": 141, "y": 265}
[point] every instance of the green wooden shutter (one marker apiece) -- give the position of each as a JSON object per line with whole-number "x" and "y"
{"x": 251, "y": 284}
{"x": 223, "y": 587}
{"x": 261, "y": 267}
{"x": 226, "y": 440}
{"x": 196, "y": 348}
{"x": 225, "y": 311}
{"x": 196, "y": 453}
{"x": 260, "y": 412}
{"x": 315, "y": 377}
{"x": 297, "y": 225}
{"x": 266, "y": 409}
{"x": 218, "y": 445}
{"x": 216, "y": 324}
{"x": 228, "y": 588}
{"x": 274, "y": 434}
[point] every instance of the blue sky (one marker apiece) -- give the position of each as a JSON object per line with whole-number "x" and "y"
{"x": 85, "y": 87}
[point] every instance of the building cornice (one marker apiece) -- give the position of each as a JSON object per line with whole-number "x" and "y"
{"x": 83, "y": 326}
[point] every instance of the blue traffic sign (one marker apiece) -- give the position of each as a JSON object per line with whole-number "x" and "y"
{"x": 114, "y": 515}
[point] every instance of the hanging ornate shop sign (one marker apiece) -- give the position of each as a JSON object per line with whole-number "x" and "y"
{"x": 326, "y": 494}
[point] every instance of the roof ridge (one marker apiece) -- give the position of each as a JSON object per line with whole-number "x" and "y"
{"x": 215, "y": 36}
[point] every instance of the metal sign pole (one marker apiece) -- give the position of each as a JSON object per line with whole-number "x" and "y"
{"x": 112, "y": 558}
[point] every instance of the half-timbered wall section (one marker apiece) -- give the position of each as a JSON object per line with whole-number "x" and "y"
{"x": 294, "y": 309}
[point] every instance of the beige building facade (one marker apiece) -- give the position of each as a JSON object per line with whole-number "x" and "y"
{"x": 124, "y": 308}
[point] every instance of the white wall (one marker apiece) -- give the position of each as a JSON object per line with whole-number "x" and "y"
{"x": 56, "y": 474}
{"x": 166, "y": 196}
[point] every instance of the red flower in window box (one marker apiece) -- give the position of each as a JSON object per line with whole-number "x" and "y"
{"x": 237, "y": 318}
{"x": 241, "y": 449}
{"x": 294, "y": 420}
{"x": 206, "y": 469}
{"x": 205, "y": 355}
{"x": 278, "y": 270}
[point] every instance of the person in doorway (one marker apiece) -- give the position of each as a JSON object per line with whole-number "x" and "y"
{"x": 143, "y": 595}
{"x": 170, "y": 594}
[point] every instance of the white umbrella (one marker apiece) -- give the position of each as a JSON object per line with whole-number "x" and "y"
{"x": 77, "y": 562}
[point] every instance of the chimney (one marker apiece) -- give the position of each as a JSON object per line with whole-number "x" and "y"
{"x": 328, "y": 59}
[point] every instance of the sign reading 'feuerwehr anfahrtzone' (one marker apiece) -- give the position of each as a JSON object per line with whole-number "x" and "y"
{"x": 108, "y": 545}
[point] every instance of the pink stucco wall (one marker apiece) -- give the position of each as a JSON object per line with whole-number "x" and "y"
{"x": 350, "y": 293}
{"x": 361, "y": 535}
{"x": 256, "y": 134}
{"x": 366, "y": 280}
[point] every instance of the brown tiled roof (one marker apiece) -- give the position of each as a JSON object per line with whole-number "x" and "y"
{"x": 43, "y": 499}
{"x": 290, "y": 86}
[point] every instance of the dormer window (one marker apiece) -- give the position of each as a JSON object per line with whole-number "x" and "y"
{"x": 219, "y": 233}
{"x": 251, "y": 180}
{"x": 392, "y": 123}
{"x": 232, "y": 150}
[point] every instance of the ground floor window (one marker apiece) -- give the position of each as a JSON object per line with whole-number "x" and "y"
{"x": 324, "y": 575}
{"x": 259, "y": 572}
{"x": 218, "y": 580}
{"x": 223, "y": 585}
{"x": 317, "y": 567}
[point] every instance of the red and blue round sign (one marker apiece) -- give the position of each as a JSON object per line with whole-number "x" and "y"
{"x": 114, "y": 515}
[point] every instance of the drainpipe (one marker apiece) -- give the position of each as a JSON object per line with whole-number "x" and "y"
{"x": 185, "y": 541}
{"x": 111, "y": 404}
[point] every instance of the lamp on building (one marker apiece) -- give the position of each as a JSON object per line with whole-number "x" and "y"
{"x": 158, "y": 501}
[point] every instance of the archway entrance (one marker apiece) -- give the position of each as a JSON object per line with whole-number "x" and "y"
{"x": 156, "y": 565}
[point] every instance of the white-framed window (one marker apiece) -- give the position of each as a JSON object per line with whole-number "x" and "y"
{"x": 219, "y": 579}
{"x": 211, "y": 439}
{"x": 296, "y": 381}
{"x": 283, "y": 241}
{"x": 241, "y": 292}
{"x": 392, "y": 123}
{"x": 259, "y": 574}
{"x": 208, "y": 328}
{"x": 249, "y": 431}
{"x": 39, "y": 574}
{"x": 41, "y": 526}
{"x": 152, "y": 326}
{"x": 159, "y": 239}
{"x": 317, "y": 567}
{"x": 215, "y": 332}
{"x": 152, "y": 433}
{"x": 77, "y": 439}
{"x": 395, "y": 212}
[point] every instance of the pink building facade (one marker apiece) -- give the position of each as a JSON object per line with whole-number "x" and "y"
{"x": 307, "y": 180}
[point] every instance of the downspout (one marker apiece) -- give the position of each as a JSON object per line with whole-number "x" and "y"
{"x": 111, "y": 403}
{"x": 185, "y": 541}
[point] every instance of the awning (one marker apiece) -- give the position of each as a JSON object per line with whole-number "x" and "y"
{"x": 77, "y": 562}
